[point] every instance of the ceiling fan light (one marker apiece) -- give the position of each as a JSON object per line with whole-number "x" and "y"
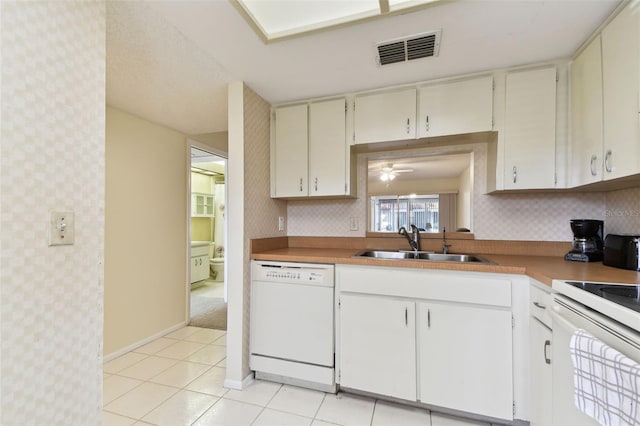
{"x": 384, "y": 177}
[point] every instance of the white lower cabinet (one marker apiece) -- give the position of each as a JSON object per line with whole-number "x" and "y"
{"x": 199, "y": 268}
{"x": 378, "y": 345}
{"x": 441, "y": 338}
{"x": 540, "y": 333}
{"x": 465, "y": 358}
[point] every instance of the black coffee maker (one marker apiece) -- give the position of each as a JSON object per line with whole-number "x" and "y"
{"x": 587, "y": 240}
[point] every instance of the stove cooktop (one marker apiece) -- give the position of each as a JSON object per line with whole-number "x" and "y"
{"x": 620, "y": 302}
{"x": 626, "y": 295}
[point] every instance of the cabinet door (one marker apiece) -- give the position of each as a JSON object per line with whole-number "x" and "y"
{"x": 377, "y": 345}
{"x": 586, "y": 115}
{"x": 199, "y": 268}
{"x": 290, "y": 151}
{"x": 209, "y": 205}
{"x": 456, "y": 108}
{"x": 327, "y": 148}
{"x": 541, "y": 382}
{"x": 530, "y": 129}
{"x": 388, "y": 116}
{"x": 620, "y": 74}
{"x": 465, "y": 358}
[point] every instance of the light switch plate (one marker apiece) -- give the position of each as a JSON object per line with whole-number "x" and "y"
{"x": 280, "y": 223}
{"x": 353, "y": 224}
{"x": 61, "y": 228}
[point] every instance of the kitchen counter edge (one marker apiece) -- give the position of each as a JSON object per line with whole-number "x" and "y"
{"x": 541, "y": 268}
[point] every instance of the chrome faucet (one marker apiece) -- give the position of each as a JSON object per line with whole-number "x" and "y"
{"x": 414, "y": 240}
{"x": 445, "y": 246}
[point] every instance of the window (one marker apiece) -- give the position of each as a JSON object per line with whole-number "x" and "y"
{"x": 390, "y": 212}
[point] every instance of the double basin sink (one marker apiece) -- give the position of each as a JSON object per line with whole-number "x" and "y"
{"x": 420, "y": 255}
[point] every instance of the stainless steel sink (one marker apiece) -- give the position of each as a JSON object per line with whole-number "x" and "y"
{"x": 438, "y": 257}
{"x": 421, "y": 255}
{"x": 384, "y": 254}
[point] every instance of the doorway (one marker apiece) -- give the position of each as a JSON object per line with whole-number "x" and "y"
{"x": 207, "y": 239}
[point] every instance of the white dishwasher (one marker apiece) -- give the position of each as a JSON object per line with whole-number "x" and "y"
{"x": 292, "y": 323}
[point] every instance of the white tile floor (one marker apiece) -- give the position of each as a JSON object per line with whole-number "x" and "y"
{"x": 178, "y": 380}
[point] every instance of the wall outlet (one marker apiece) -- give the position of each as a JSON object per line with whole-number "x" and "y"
{"x": 280, "y": 223}
{"x": 353, "y": 224}
{"x": 61, "y": 228}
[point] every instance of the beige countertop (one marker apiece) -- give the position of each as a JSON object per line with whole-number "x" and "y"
{"x": 542, "y": 268}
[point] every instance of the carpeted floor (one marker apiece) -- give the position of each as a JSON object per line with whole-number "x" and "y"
{"x": 208, "y": 309}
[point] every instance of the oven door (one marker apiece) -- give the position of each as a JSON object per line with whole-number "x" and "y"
{"x": 569, "y": 316}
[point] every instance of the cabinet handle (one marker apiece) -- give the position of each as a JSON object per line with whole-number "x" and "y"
{"x": 408, "y": 125}
{"x": 539, "y": 305}
{"x": 515, "y": 174}
{"x": 607, "y": 161}
{"x": 300, "y": 184}
{"x": 426, "y": 124}
{"x": 406, "y": 316}
{"x": 428, "y": 318}
{"x": 316, "y": 184}
{"x": 592, "y": 165}
{"x": 547, "y": 343}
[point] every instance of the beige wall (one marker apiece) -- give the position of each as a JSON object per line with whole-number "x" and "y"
{"x": 219, "y": 141}
{"x": 52, "y": 141}
{"x": 146, "y": 228}
{"x": 201, "y": 183}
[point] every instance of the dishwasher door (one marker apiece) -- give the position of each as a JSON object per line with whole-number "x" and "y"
{"x": 292, "y": 314}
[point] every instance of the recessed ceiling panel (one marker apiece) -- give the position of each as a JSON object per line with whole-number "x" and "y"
{"x": 277, "y": 19}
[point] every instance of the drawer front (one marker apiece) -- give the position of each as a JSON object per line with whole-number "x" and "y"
{"x": 540, "y": 305}
{"x": 200, "y": 251}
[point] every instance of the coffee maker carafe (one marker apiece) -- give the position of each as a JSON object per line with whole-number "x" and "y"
{"x": 587, "y": 240}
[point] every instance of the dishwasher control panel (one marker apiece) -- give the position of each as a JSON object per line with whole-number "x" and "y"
{"x": 287, "y": 272}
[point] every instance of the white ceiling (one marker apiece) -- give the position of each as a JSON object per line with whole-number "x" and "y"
{"x": 170, "y": 61}
{"x": 422, "y": 168}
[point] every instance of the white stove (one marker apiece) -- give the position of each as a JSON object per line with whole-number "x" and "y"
{"x": 609, "y": 314}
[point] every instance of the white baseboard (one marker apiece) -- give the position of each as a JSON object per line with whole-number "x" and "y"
{"x": 239, "y": 385}
{"x": 142, "y": 342}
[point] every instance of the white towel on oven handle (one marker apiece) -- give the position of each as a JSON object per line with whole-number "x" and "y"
{"x": 607, "y": 383}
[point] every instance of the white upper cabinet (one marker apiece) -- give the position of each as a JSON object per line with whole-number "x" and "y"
{"x": 387, "y": 116}
{"x": 454, "y": 108}
{"x": 530, "y": 129}
{"x": 328, "y": 149}
{"x": 621, "y": 97}
{"x": 605, "y": 102}
{"x": 586, "y": 157}
{"x": 310, "y": 154}
{"x": 290, "y": 152}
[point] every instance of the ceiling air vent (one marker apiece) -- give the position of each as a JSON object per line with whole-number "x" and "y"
{"x": 409, "y": 48}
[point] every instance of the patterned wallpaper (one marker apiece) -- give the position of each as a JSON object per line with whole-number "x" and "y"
{"x": 51, "y": 158}
{"x": 261, "y": 211}
{"x": 623, "y": 212}
{"x": 525, "y": 217}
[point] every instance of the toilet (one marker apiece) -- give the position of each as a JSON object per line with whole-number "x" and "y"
{"x": 217, "y": 264}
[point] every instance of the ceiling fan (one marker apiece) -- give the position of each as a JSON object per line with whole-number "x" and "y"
{"x": 388, "y": 172}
